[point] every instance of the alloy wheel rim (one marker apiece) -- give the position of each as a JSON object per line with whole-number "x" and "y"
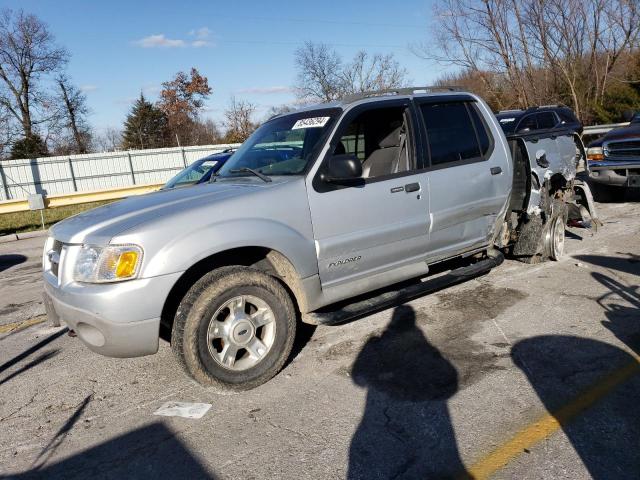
{"x": 241, "y": 332}
{"x": 558, "y": 238}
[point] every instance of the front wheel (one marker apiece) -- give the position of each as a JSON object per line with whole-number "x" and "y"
{"x": 234, "y": 329}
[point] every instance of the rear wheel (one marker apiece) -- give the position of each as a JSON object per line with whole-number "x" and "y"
{"x": 234, "y": 329}
{"x": 555, "y": 236}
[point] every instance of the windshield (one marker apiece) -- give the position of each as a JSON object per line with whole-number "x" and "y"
{"x": 192, "y": 174}
{"x": 282, "y": 146}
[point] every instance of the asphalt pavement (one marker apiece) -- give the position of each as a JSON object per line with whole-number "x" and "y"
{"x": 528, "y": 372}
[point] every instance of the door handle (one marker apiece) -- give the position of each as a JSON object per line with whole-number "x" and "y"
{"x": 411, "y": 187}
{"x": 496, "y": 170}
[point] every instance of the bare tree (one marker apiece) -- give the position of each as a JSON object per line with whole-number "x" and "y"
{"x": 238, "y": 120}
{"x": 27, "y": 54}
{"x": 319, "y": 72}
{"x": 372, "y": 72}
{"x": 74, "y": 112}
{"x": 544, "y": 50}
{"x": 324, "y": 76}
{"x": 109, "y": 140}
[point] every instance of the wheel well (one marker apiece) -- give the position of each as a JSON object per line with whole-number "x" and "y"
{"x": 556, "y": 182}
{"x": 264, "y": 259}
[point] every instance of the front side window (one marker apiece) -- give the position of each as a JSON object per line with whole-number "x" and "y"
{"x": 192, "y": 174}
{"x": 379, "y": 138}
{"x": 451, "y": 133}
{"x": 282, "y": 146}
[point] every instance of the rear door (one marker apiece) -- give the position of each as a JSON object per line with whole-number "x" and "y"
{"x": 469, "y": 173}
{"x": 374, "y": 233}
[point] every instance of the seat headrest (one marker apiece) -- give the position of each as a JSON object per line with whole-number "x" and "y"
{"x": 392, "y": 139}
{"x": 340, "y": 150}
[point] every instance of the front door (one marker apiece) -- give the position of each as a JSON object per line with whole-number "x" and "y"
{"x": 375, "y": 233}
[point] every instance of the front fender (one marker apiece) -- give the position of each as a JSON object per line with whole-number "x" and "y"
{"x": 182, "y": 251}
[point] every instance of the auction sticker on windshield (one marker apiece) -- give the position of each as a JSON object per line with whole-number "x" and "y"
{"x": 311, "y": 122}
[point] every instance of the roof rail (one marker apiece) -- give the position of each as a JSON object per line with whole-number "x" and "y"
{"x": 401, "y": 91}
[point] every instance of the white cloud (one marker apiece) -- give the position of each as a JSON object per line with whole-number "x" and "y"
{"x": 201, "y": 33}
{"x": 265, "y": 90}
{"x": 159, "y": 40}
{"x": 151, "y": 89}
{"x": 202, "y": 39}
{"x": 201, "y": 43}
{"x": 126, "y": 101}
{"x": 88, "y": 88}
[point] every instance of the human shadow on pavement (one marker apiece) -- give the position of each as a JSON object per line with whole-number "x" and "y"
{"x": 630, "y": 264}
{"x": 406, "y": 430}
{"x": 31, "y": 350}
{"x": 33, "y": 363}
{"x": 8, "y": 261}
{"x": 591, "y": 387}
{"x": 152, "y": 451}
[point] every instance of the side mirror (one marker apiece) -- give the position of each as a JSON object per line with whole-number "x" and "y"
{"x": 541, "y": 159}
{"x": 343, "y": 169}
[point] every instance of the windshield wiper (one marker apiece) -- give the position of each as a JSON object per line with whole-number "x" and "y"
{"x": 261, "y": 176}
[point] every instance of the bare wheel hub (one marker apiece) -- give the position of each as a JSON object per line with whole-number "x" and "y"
{"x": 241, "y": 332}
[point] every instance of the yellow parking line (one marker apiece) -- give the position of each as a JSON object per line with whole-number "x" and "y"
{"x": 10, "y": 327}
{"x": 550, "y": 423}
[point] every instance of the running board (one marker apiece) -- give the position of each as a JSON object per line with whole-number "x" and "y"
{"x": 396, "y": 295}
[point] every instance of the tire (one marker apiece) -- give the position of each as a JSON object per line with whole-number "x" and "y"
{"x": 234, "y": 309}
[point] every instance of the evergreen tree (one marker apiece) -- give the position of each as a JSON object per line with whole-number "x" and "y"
{"x": 29, "y": 147}
{"x": 145, "y": 126}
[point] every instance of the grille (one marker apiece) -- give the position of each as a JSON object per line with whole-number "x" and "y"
{"x": 623, "y": 149}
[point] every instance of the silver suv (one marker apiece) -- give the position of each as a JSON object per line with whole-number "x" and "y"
{"x": 316, "y": 207}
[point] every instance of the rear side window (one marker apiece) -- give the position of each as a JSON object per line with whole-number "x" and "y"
{"x": 567, "y": 116}
{"x": 528, "y": 123}
{"x": 546, "y": 120}
{"x": 481, "y": 129}
{"x": 451, "y": 132}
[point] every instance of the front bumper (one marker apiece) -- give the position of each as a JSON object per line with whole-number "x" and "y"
{"x": 618, "y": 175}
{"x": 115, "y": 319}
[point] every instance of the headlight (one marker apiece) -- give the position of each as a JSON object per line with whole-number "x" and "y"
{"x": 595, "y": 154}
{"x": 112, "y": 263}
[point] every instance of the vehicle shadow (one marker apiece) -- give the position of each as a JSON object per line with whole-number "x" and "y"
{"x": 406, "y": 430}
{"x": 152, "y": 451}
{"x": 8, "y": 261}
{"x": 591, "y": 387}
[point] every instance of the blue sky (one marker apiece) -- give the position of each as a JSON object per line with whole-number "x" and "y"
{"x": 246, "y": 49}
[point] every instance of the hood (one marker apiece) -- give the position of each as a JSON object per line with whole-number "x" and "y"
{"x": 99, "y": 225}
{"x": 630, "y": 131}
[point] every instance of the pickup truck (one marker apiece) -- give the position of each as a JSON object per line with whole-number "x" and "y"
{"x": 315, "y": 211}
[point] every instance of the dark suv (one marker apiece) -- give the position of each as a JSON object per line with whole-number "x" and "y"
{"x": 539, "y": 118}
{"x": 614, "y": 160}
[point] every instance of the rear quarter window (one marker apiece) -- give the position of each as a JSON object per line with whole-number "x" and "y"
{"x": 455, "y": 132}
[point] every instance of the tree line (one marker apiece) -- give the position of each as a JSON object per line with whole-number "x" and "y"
{"x": 514, "y": 53}
{"x": 520, "y": 53}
